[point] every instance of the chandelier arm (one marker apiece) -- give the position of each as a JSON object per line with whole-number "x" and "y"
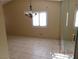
{"x": 31, "y": 5}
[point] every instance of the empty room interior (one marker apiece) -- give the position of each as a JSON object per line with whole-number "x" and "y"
{"x": 38, "y": 29}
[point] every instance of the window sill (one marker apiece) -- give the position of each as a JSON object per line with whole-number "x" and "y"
{"x": 39, "y": 27}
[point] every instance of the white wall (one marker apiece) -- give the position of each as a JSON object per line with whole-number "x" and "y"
{"x": 3, "y": 38}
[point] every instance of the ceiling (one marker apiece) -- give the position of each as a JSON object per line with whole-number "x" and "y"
{"x": 54, "y": 0}
{"x": 4, "y": 1}
{"x": 49, "y": 0}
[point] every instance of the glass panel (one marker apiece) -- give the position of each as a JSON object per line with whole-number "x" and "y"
{"x": 43, "y": 19}
{"x": 36, "y": 19}
{"x": 68, "y": 32}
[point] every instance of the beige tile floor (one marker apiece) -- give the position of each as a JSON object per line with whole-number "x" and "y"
{"x": 34, "y": 48}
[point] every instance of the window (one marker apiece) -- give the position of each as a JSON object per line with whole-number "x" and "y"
{"x": 39, "y": 19}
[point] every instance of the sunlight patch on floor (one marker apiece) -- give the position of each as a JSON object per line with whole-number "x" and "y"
{"x": 61, "y": 56}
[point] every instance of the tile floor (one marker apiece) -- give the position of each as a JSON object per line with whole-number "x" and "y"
{"x": 34, "y": 48}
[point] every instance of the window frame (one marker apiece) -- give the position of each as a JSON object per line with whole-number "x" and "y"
{"x": 39, "y": 21}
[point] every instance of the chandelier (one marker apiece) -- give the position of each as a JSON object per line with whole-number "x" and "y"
{"x": 29, "y": 13}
